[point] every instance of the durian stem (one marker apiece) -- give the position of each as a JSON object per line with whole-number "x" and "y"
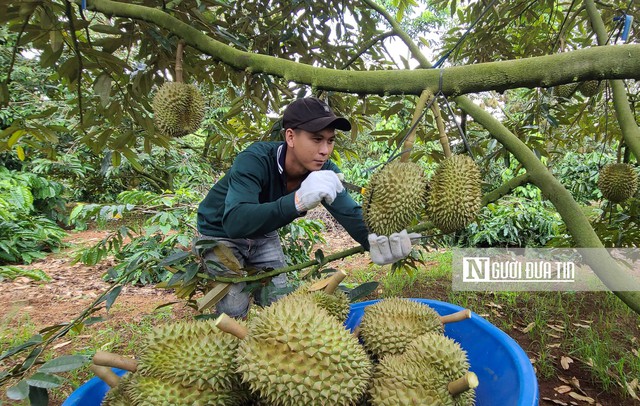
{"x": 457, "y": 316}
{"x": 411, "y": 137}
{"x": 179, "y": 53}
{"x": 109, "y": 359}
{"x": 463, "y": 384}
{"x": 231, "y": 326}
{"x": 444, "y": 140}
{"x": 106, "y": 374}
{"x": 334, "y": 281}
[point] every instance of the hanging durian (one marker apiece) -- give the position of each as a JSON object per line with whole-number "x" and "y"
{"x": 565, "y": 91}
{"x": 394, "y": 197}
{"x": 433, "y": 370}
{"x": 178, "y": 108}
{"x": 454, "y": 195}
{"x": 589, "y": 88}
{"x": 294, "y": 353}
{"x": 618, "y": 182}
{"x": 324, "y": 293}
{"x": 387, "y": 327}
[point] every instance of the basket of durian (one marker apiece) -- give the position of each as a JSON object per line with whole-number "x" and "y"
{"x": 315, "y": 348}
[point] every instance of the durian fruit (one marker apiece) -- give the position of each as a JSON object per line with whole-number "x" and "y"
{"x": 295, "y": 353}
{"x": 618, "y": 182}
{"x": 153, "y": 391}
{"x": 324, "y": 293}
{"x": 387, "y": 327}
{"x": 589, "y": 88}
{"x": 565, "y": 91}
{"x": 433, "y": 370}
{"x": 191, "y": 353}
{"x": 116, "y": 396}
{"x": 178, "y": 109}
{"x": 394, "y": 197}
{"x": 454, "y": 197}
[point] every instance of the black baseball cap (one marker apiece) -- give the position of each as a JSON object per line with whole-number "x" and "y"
{"x": 312, "y": 114}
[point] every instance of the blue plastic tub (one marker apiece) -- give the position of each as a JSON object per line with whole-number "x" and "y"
{"x": 504, "y": 370}
{"x": 505, "y": 373}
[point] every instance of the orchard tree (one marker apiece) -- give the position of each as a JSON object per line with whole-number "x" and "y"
{"x": 113, "y": 55}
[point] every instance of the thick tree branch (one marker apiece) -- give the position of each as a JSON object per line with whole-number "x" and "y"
{"x": 505, "y": 189}
{"x": 630, "y": 130}
{"x": 545, "y": 71}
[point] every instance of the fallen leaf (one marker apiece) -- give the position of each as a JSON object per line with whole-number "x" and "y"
{"x": 529, "y": 327}
{"x": 581, "y": 325}
{"x": 635, "y": 352}
{"x": 497, "y": 306}
{"x": 554, "y": 336}
{"x": 556, "y": 327}
{"x": 575, "y": 382}
{"x": 553, "y": 345}
{"x": 631, "y": 387}
{"x": 587, "y": 399}
{"x": 563, "y": 389}
{"x": 60, "y": 345}
{"x": 556, "y": 401}
{"x": 565, "y": 361}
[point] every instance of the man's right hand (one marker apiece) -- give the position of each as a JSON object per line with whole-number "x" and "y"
{"x": 318, "y": 186}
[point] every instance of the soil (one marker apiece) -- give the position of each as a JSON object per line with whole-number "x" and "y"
{"x": 73, "y": 287}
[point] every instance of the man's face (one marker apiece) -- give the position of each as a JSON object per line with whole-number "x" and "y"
{"x": 311, "y": 150}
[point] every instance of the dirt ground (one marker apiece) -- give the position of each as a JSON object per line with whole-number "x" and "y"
{"x": 74, "y": 286}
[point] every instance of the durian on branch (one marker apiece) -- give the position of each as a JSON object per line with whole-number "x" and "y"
{"x": 580, "y": 65}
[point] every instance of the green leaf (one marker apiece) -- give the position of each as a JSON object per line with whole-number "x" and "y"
{"x": 38, "y": 396}
{"x": 44, "y": 380}
{"x": 112, "y": 296}
{"x": 20, "y": 152}
{"x": 362, "y": 290}
{"x": 35, "y": 340}
{"x": 174, "y": 258}
{"x": 18, "y": 391}
{"x": 102, "y": 87}
{"x": 64, "y": 363}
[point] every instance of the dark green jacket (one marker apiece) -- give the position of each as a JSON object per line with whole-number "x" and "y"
{"x": 252, "y": 200}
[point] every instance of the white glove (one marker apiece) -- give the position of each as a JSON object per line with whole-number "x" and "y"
{"x": 386, "y": 250}
{"x": 318, "y": 186}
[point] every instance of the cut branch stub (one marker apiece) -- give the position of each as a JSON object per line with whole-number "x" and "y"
{"x": 463, "y": 384}
{"x": 106, "y": 374}
{"x": 109, "y": 359}
{"x": 457, "y": 316}
{"x": 231, "y": 326}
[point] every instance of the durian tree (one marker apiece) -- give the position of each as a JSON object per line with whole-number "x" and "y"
{"x": 114, "y": 55}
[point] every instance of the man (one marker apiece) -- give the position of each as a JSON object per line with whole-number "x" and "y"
{"x": 270, "y": 184}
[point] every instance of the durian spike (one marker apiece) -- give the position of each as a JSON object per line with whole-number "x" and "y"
{"x": 106, "y": 374}
{"x": 229, "y": 325}
{"x": 463, "y": 384}
{"x": 109, "y": 359}
{"x": 334, "y": 281}
{"x": 457, "y": 316}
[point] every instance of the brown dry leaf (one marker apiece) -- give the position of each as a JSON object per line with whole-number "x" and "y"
{"x": 556, "y": 401}
{"x": 631, "y": 387}
{"x": 563, "y": 389}
{"x": 60, "y": 345}
{"x": 556, "y": 327}
{"x": 587, "y": 399}
{"x": 565, "y": 361}
{"x": 575, "y": 382}
{"x": 635, "y": 352}
{"x": 497, "y": 306}
{"x": 581, "y": 325}
{"x": 553, "y": 345}
{"x": 529, "y": 327}
{"x": 554, "y": 336}
{"x": 563, "y": 379}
